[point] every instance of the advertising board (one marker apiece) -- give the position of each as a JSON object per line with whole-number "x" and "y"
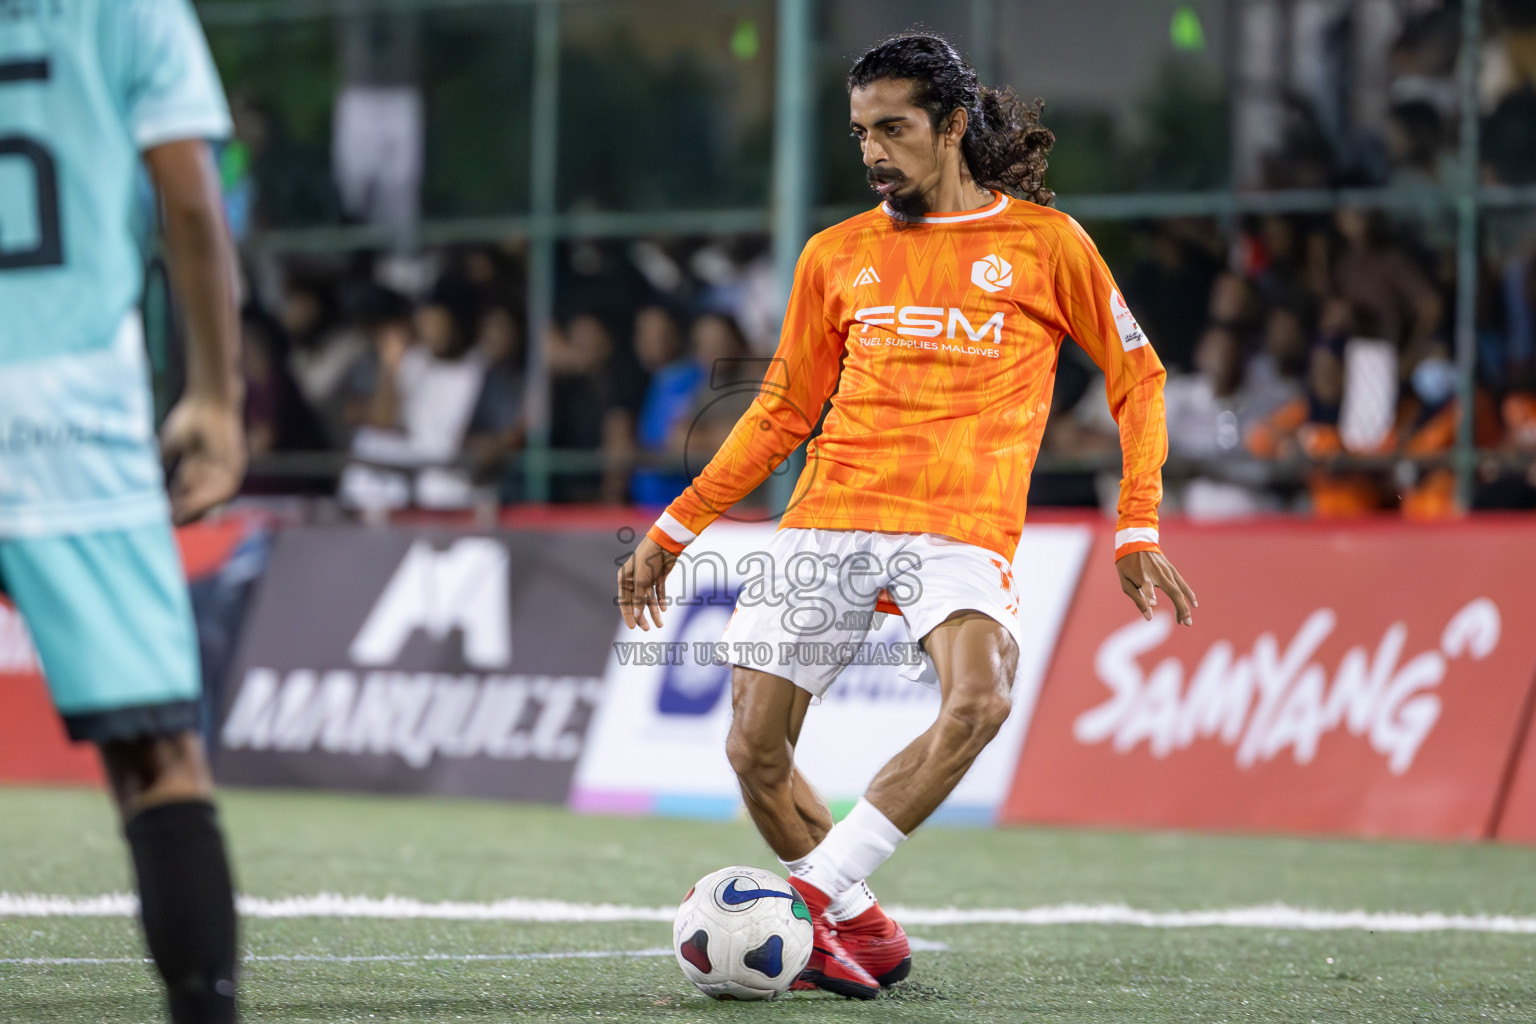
{"x": 1367, "y": 679}
{"x": 657, "y": 744}
{"x": 421, "y": 660}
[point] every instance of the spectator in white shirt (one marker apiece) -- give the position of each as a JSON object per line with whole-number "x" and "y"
{"x": 413, "y": 424}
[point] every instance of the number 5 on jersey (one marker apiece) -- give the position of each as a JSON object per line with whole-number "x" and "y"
{"x": 41, "y": 241}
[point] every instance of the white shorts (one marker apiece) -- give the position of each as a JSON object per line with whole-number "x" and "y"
{"x": 808, "y": 601}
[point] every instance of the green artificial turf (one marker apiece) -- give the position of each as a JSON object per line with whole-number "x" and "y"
{"x": 286, "y": 844}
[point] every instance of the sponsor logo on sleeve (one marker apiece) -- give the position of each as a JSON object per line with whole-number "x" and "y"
{"x": 1131, "y": 336}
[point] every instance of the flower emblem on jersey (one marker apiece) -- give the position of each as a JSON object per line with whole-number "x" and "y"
{"x": 992, "y": 274}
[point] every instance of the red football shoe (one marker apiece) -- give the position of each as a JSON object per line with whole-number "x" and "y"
{"x": 830, "y": 966}
{"x": 878, "y": 944}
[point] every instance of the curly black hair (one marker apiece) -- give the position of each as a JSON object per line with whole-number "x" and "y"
{"x": 1005, "y": 145}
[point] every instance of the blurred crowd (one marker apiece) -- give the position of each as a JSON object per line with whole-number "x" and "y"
{"x": 1312, "y": 358}
{"x": 1369, "y": 103}
{"x": 1312, "y": 368}
{"x": 418, "y": 368}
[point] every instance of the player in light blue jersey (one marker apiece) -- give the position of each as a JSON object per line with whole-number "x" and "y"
{"x": 87, "y": 88}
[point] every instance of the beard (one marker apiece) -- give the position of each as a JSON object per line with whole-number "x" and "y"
{"x": 909, "y": 205}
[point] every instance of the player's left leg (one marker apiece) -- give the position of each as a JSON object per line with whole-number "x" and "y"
{"x": 800, "y": 819}
{"x": 809, "y": 803}
{"x": 872, "y": 939}
{"x": 976, "y": 660}
{"x": 975, "y": 657}
{"x": 759, "y": 749}
{"x": 790, "y": 815}
{"x": 112, "y": 624}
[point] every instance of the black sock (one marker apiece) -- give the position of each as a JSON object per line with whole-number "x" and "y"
{"x": 188, "y": 907}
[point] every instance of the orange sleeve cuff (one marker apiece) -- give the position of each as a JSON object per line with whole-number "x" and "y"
{"x": 1128, "y": 549}
{"x": 661, "y": 537}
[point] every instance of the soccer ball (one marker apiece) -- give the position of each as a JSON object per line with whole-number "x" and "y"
{"x": 742, "y": 933}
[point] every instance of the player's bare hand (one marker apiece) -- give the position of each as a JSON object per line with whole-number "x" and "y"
{"x": 643, "y": 583}
{"x": 205, "y": 440}
{"x": 1142, "y": 571}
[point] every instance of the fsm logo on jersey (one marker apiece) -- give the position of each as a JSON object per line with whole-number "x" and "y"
{"x": 930, "y": 322}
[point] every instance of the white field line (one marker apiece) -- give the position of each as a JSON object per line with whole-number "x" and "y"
{"x": 392, "y": 908}
{"x": 329, "y": 905}
{"x": 921, "y": 945}
{"x": 586, "y": 954}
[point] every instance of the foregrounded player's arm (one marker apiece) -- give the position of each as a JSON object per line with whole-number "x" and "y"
{"x": 1094, "y": 313}
{"x": 1137, "y": 404}
{"x": 772, "y": 427}
{"x": 202, "y": 266}
{"x": 799, "y": 381}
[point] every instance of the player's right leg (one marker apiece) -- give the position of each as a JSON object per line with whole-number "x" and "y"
{"x": 762, "y": 755}
{"x": 818, "y": 593}
{"x": 110, "y": 618}
{"x": 871, "y": 938}
{"x": 790, "y": 815}
{"x": 962, "y": 611}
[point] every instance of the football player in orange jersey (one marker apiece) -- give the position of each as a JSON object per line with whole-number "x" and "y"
{"x": 932, "y": 324}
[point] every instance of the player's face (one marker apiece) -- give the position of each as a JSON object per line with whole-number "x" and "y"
{"x": 898, "y": 143}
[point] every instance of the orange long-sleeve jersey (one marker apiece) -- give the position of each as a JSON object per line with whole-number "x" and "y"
{"x": 937, "y": 344}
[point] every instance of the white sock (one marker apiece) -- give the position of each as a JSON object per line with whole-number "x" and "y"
{"x": 793, "y": 867}
{"x": 852, "y": 903}
{"x": 852, "y": 851}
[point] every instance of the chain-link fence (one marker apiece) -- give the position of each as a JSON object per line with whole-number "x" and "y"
{"x": 595, "y": 194}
